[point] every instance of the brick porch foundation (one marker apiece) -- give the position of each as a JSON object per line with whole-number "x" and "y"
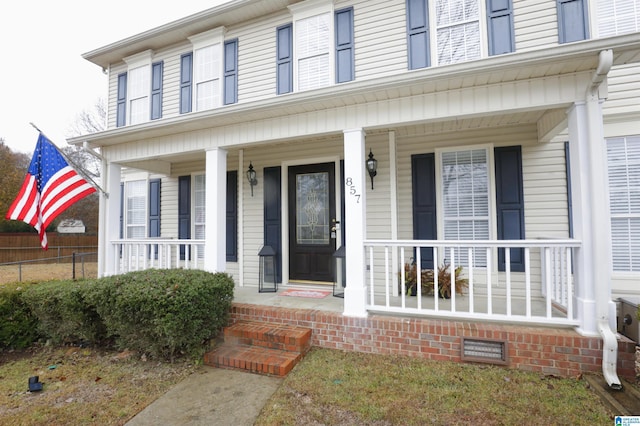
{"x": 559, "y": 352}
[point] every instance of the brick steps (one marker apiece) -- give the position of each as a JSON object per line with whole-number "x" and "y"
{"x": 272, "y": 349}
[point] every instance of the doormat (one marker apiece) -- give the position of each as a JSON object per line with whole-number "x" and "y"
{"x": 313, "y": 294}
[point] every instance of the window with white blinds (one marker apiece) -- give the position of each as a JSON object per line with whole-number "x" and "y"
{"x": 313, "y": 44}
{"x": 199, "y": 213}
{"x": 618, "y": 17}
{"x": 623, "y": 158}
{"x": 136, "y": 210}
{"x": 465, "y": 199}
{"x": 206, "y": 74}
{"x": 458, "y": 30}
{"x": 139, "y": 87}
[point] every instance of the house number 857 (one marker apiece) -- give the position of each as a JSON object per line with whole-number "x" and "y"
{"x": 352, "y": 189}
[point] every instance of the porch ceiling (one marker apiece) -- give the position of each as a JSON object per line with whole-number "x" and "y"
{"x": 549, "y": 64}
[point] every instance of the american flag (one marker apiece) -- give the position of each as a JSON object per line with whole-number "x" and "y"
{"x": 49, "y": 188}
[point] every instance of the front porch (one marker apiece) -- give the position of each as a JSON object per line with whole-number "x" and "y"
{"x": 538, "y": 293}
{"x": 558, "y": 351}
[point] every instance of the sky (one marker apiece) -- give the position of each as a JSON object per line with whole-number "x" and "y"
{"x": 43, "y": 77}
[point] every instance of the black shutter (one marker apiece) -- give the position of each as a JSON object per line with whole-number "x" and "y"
{"x": 423, "y": 175}
{"x": 154, "y": 208}
{"x": 284, "y": 60}
{"x": 232, "y": 216}
{"x": 154, "y": 213}
{"x": 344, "y": 46}
{"x": 121, "y": 111}
{"x": 500, "y": 27}
{"x": 272, "y": 215}
{"x": 186, "y": 72}
{"x": 572, "y": 21}
{"x": 184, "y": 211}
{"x": 156, "y": 90}
{"x": 231, "y": 72}
{"x": 418, "y": 33}
{"x": 510, "y": 203}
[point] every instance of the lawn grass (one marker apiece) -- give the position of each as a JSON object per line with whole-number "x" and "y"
{"x": 340, "y": 388}
{"x": 82, "y": 386}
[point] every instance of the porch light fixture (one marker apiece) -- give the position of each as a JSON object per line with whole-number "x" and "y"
{"x": 251, "y": 177}
{"x": 372, "y": 166}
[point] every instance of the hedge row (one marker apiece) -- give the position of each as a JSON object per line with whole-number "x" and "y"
{"x": 163, "y": 313}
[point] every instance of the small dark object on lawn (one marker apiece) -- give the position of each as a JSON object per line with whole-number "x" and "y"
{"x": 34, "y": 384}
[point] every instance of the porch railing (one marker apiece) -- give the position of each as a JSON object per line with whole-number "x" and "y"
{"x": 134, "y": 255}
{"x": 540, "y": 293}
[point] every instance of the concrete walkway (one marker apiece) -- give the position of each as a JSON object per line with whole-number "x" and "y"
{"x": 211, "y": 396}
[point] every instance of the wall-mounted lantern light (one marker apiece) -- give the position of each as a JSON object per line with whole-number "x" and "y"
{"x": 372, "y": 166}
{"x": 251, "y": 177}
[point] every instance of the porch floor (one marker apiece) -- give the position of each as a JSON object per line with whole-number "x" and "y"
{"x": 250, "y": 295}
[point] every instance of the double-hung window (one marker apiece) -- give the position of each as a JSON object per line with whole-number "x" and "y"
{"x": 623, "y": 155}
{"x": 139, "y": 85}
{"x": 317, "y": 49}
{"x": 464, "y": 183}
{"x": 457, "y": 30}
{"x": 209, "y": 74}
{"x": 199, "y": 210}
{"x": 206, "y": 77}
{"x": 444, "y": 32}
{"x": 618, "y": 17}
{"x": 135, "y": 199}
{"x": 139, "y": 90}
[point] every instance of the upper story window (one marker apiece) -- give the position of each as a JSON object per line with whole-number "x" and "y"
{"x": 208, "y": 75}
{"x": 457, "y": 30}
{"x": 139, "y": 96}
{"x": 618, "y": 17}
{"x": 316, "y": 49}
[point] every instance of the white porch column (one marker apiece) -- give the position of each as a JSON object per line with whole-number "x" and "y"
{"x": 356, "y": 224}
{"x": 215, "y": 258}
{"x": 591, "y": 215}
{"x": 108, "y": 218}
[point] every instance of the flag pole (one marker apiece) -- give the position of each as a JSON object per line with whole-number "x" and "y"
{"x": 78, "y": 168}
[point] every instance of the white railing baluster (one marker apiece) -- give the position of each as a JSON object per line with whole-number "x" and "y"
{"x": 419, "y": 277}
{"x": 386, "y": 276}
{"x": 527, "y": 280}
{"x": 489, "y": 296}
{"x": 373, "y": 300}
{"x": 507, "y": 271}
{"x": 436, "y": 296}
{"x": 452, "y": 276}
{"x": 470, "y": 273}
{"x": 403, "y": 284}
{"x": 569, "y": 284}
{"x": 547, "y": 272}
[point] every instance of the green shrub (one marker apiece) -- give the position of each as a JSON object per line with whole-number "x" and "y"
{"x": 64, "y": 314}
{"x": 18, "y": 326}
{"x": 164, "y": 313}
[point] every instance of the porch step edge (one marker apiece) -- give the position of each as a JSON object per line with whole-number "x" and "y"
{"x": 269, "y": 335}
{"x": 253, "y": 359}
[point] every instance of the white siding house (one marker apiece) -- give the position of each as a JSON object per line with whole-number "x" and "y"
{"x": 506, "y": 134}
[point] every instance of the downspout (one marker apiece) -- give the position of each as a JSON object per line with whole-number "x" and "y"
{"x": 603, "y": 293}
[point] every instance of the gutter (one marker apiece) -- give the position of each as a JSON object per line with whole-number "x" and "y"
{"x": 603, "y": 293}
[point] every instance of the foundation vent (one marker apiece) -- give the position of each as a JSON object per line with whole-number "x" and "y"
{"x": 484, "y": 350}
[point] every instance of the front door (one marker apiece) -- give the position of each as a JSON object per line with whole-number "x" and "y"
{"x": 312, "y": 213}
